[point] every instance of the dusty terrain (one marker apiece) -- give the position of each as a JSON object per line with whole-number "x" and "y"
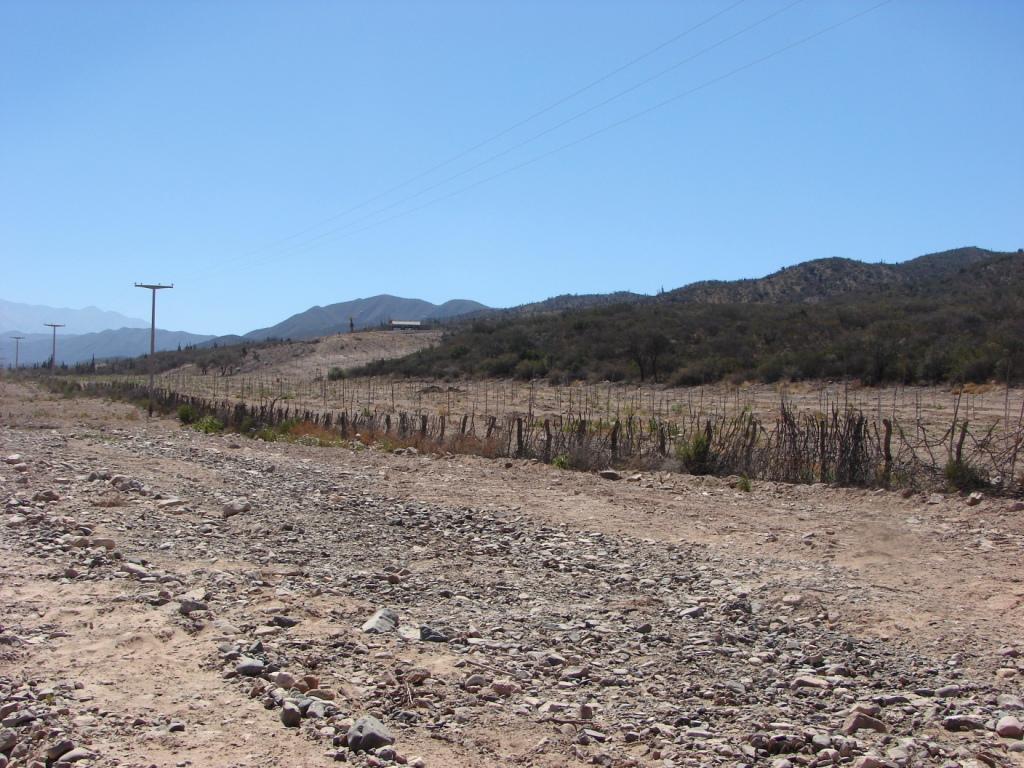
{"x": 172, "y": 598}
{"x": 298, "y": 370}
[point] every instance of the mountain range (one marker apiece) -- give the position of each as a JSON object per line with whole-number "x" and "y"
{"x": 821, "y": 280}
{"x": 131, "y": 337}
{"x": 957, "y": 315}
{"x": 29, "y": 318}
{"x": 536, "y": 338}
{"x": 35, "y": 348}
{"x": 363, "y": 313}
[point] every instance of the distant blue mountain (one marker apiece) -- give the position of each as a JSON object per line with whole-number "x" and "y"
{"x": 29, "y": 318}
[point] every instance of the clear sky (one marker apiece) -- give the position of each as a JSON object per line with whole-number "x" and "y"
{"x": 225, "y": 146}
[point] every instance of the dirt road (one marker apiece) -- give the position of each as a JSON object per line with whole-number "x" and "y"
{"x": 174, "y": 598}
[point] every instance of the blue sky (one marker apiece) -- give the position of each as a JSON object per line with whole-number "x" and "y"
{"x": 214, "y": 145}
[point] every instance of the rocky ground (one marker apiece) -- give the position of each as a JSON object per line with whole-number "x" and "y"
{"x": 174, "y": 598}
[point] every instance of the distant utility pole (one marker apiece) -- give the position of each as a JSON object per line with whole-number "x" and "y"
{"x": 53, "y": 353}
{"x": 154, "y": 287}
{"x": 17, "y": 345}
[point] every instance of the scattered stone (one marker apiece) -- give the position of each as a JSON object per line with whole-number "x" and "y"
{"x": 291, "y": 715}
{"x": 431, "y": 635}
{"x": 187, "y": 606}
{"x": 59, "y": 749}
{"x": 74, "y": 755}
{"x": 417, "y": 675}
{"x": 857, "y": 721}
{"x": 1009, "y": 701}
{"x": 382, "y": 622}
{"x": 504, "y": 688}
{"x": 808, "y": 681}
{"x": 368, "y": 733}
{"x": 235, "y": 507}
{"x": 1009, "y": 727}
{"x": 963, "y": 723}
{"x": 134, "y": 569}
{"x": 8, "y": 737}
{"x": 249, "y": 667}
{"x": 284, "y": 679}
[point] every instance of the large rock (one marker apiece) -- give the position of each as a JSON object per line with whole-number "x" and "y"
{"x": 8, "y": 739}
{"x": 368, "y": 733}
{"x": 235, "y": 507}
{"x": 383, "y": 621}
{"x": 58, "y": 749}
{"x": 134, "y": 569}
{"x": 188, "y": 605}
{"x": 79, "y": 753}
{"x": 1009, "y": 701}
{"x": 249, "y": 667}
{"x": 1010, "y": 727}
{"x": 291, "y": 715}
{"x": 858, "y": 721}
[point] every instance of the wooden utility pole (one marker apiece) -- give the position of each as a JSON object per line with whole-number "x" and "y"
{"x": 154, "y": 287}
{"x": 17, "y": 345}
{"x": 53, "y": 351}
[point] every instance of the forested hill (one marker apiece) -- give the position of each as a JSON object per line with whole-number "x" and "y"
{"x": 823, "y": 279}
{"x": 946, "y": 316}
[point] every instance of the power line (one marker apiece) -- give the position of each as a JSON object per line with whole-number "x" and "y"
{"x": 572, "y": 118}
{"x": 504, "y": 132}
{"x": 629, "y": 118}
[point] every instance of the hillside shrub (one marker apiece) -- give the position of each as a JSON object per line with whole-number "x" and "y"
{"x": 964, "y": 476}
{"x": 209, "y": 425}
{"x": 695, "y": 453}
{"x": 187, "y": 414}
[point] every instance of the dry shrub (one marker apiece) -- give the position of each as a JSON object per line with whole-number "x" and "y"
{"x": 970, "y": 388}
{"x": 309, "y": 430}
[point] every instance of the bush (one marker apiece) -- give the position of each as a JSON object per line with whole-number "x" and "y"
{"x": 335, "y": 374}
{"x": 695, "y": 454}
{"x": 561, "y": 461}
{"x": 964, "y": 476}
{"x": 187, "y": 414}
{"x": 209, "y": 425}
